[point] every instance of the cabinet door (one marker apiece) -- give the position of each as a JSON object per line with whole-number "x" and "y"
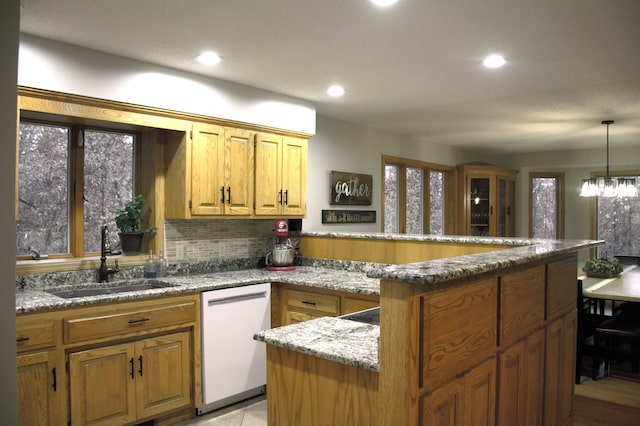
{"x": 37, "y": 388}
{"x": 207, "y": 170}
{"x": 268, "y": 158}
{"x": 163, "y": 374}
{"x": 238, "y": 172}
{"x": 480, "y": 395}
{"x": 444, "y": 406}
{"x": 521, "y": 380}
{"x": 560, "y": 370}
{"x": 294, "y": 176}
{"x": 102, "y": 386}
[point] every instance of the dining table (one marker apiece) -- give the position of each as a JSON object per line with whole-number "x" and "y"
{"x": 623, "y": 288}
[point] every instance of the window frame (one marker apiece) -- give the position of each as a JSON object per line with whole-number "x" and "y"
{"x": 75, "y": 173}
{"x": 593, "y": 216}
{"x": 426, "y": 167}
{"x": 560, "y": 179}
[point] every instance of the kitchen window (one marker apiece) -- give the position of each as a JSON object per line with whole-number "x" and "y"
{"x": 417, "y": 197}
{"x": 617, "y": 222}
{"x": 72, "y": 178}
{"x": 546, "y": 201}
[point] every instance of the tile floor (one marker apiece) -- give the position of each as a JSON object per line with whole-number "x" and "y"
{"x": 252, "y": 412}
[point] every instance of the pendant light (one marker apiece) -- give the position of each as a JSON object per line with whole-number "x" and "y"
{"x": 609, "y": 186}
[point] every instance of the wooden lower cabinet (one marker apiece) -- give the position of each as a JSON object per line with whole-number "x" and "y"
{"x": 122, "y": 383}
{"x": 560, "y": 369}
{"x": 38, "y": 388}
{"x": 468, "y": 400}
{"x": 520, "y": 385}
{"x": 292, "y": 304}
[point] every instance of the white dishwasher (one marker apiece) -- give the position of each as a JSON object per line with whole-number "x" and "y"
{"x": 234, "y": 365}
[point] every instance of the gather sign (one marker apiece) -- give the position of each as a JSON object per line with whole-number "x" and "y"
{"x": 351, "y": 189}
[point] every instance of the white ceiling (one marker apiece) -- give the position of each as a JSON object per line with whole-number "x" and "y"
{"x": 413, "y": 68}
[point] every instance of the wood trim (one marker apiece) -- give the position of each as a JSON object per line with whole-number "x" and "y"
{"x": 101, "y": 109}
{"x": 388, "y": 251}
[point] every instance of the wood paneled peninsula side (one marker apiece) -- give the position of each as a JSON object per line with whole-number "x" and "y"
{"x": 472, "y": 331}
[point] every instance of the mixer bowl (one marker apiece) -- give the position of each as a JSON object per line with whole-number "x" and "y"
{"x": 282, "y": 255}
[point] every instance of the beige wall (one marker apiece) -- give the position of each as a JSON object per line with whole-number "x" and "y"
{"x": 10, "y": 18}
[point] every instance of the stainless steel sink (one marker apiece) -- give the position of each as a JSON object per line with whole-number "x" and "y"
{"x": 123, "y": 287}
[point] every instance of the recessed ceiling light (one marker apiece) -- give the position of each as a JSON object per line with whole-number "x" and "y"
{"x": 335, "y": 90}
{"x": 209, "y": 58}
{"x": 383, "y": 3}
{"x": 494, "y": 61}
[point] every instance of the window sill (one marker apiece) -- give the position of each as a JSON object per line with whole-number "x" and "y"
{"x": 24, "y": 267}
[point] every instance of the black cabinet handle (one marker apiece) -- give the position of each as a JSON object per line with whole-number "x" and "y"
{"x": 229, "y": 195}
{"x": 304, "y": 302}
{"x": 55, "y": 381}
{"x": 222, "y": 194}
{"x": 140, "y": 362}
{"x": 138, "y": 320}
{"x": 21, "y": 339}
{"x": 280, "y": 197}
{"x": 286, "y": 197}
{"x": 132, "y": 368}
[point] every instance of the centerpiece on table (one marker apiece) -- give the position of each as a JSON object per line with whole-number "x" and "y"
{"x": 602, "y": 267}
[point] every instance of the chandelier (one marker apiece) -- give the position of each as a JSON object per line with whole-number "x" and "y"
{"x": 609, "y": 186}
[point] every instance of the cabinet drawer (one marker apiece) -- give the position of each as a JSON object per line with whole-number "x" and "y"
{"x": 35, "y": 336}
{"x": 127, "y": 322}
{"x": 353, "y": 304}
{"x": 317, "y": 302}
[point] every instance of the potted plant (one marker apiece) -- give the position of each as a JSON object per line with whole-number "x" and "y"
{"x": 602, "y": 267}
{"x": 128, "y": 220}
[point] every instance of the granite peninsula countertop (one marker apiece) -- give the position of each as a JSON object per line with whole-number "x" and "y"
{"x": 356, "y": 344}
{"x": 336, "y": 339}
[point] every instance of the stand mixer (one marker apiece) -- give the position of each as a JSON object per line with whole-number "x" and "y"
{"x": 281, "y": 256}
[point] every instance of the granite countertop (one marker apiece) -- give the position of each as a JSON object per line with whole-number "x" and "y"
{"x": 34, "y": 300}
{"x": 349, "y": 342}
{"x": 336, "y": 339}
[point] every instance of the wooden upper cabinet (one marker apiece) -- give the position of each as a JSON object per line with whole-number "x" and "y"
{"x": 238, "y": 172}
{"x": 216, "y": 171}
{"x": 294, "y": 176}
{"x": 207, "y": 170}
{"x": 268, "y": 174}
{"x": 281, "y": 175}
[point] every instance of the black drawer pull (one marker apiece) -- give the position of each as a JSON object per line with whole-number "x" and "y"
{"x": 22, "y": 339}
{"x": 138, "y": 320}
{"x": 304, "y": 302}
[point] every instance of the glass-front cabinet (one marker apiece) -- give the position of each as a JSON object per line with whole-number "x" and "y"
{"x": 487, "y": 201}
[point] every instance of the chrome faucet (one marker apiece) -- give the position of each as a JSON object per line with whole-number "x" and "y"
{"x": 104, "y": 271}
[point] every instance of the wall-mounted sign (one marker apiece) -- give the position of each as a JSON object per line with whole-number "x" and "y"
{"x": 351, "y": 189}
{"x": 348, "y": 216}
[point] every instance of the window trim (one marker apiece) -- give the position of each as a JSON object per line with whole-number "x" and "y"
{"x": 75, "y": 174}
{"x": 449, "y": 192}
{"x": 560, "y": 221}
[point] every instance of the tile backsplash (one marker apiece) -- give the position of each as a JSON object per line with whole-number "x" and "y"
{"x": 197, "y": 240}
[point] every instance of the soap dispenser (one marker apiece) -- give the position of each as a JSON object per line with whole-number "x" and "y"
{"x": 151, "y": 266}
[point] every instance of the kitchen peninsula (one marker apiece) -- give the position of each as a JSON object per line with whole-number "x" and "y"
{"x": 478, "y": 328}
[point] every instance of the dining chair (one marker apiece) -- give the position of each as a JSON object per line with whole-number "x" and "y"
{"x": 617, "y": 339}
{"x": 591, "y": 313}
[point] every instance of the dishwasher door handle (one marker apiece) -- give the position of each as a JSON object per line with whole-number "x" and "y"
{"x": 238, "y": 298}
